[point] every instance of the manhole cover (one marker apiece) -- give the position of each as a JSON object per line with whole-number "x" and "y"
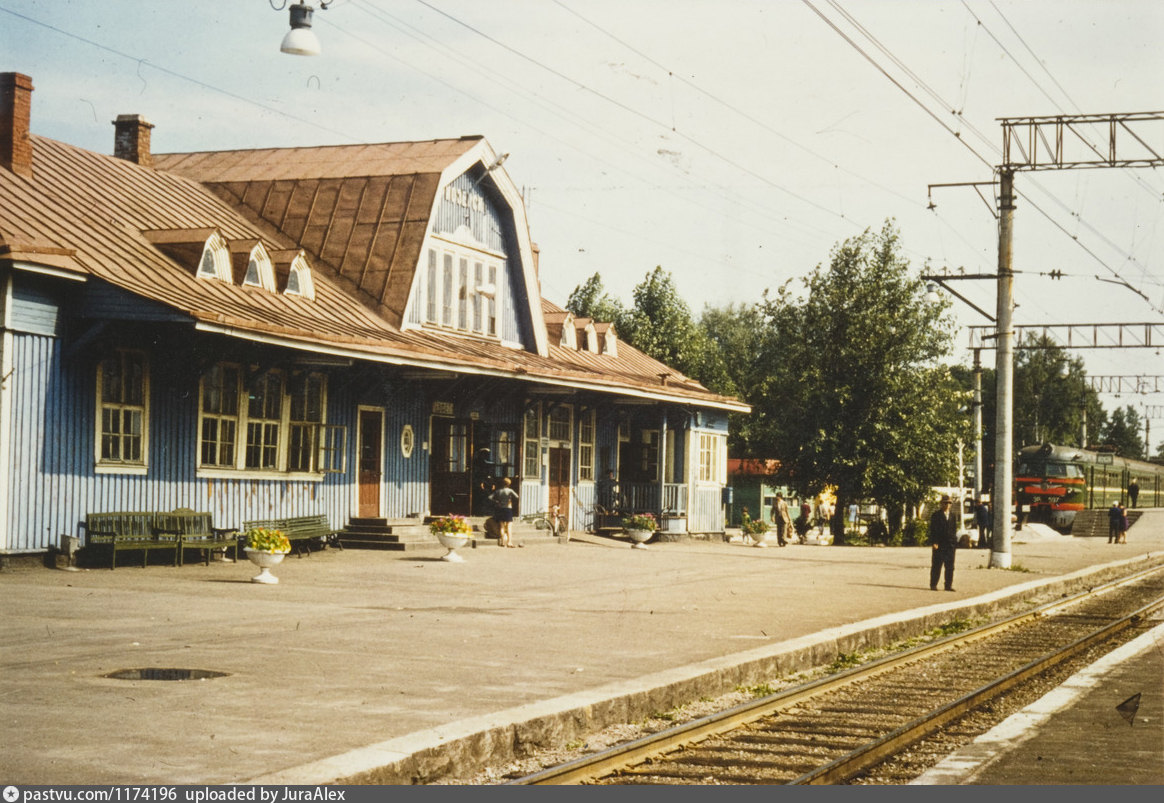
{"x": 155, "y": 673}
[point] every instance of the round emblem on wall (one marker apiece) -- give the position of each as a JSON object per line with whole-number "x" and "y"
{"x": 407, "y": 441}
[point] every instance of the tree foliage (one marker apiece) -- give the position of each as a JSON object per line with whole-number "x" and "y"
{"x": 1051, "y": 395}
{"x": 852, "y": 394}
{"x": 1123, "y": 432}
{"x": 590, "y": 300}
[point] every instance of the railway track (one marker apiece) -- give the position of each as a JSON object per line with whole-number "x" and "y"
{"x": 835, "y": 729}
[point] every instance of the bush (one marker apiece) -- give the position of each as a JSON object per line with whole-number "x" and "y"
{"x": 877, "y": 532}
{"x": 916, "y": 533}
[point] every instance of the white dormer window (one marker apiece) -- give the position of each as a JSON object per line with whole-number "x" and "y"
{"x": 215, "y": 261}
{"x": 610, "y": 343}
{"x": 569, "y": 335}
{"x": 259, "y": 272}
{"x": 252, "y": 264}
{"x": 293, "y": 274}
{"x": 591, "y": 339}
{"x": 299, "y": 281}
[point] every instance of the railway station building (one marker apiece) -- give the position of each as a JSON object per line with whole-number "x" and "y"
{"x": 353, "y": 331}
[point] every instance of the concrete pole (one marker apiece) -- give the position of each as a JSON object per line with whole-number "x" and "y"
{"x": 1004, "y": 377}
{"x": 978, "y": 478}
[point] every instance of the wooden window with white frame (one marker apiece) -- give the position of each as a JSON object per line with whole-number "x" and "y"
{"x": 447, "y": 290}
{"x": 463, "y": 290}
{"x": 306, "y": 417}
{"x": 586, "y": 446}
{"x": 505, "y": 444}
{"x": 123, "y": 414}
{"x": 649, "y": 466}
{"x": 432, "y": 289}
{"x": 219, "y": 415}
{"x": 460, "y": 290}
{"x": 281, "y": 427}
{"x": 531, "y": 430}
{"x": 561, "y": 417}
{"x": 264, "y": 421}
{"x": 712, "y": 454}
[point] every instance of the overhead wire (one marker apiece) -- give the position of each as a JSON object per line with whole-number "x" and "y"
{"x": 765, "y": 216}
{"x": 949, "y": 130}
{"x": 139, "y": 61}
{"x": 634, "y": 112}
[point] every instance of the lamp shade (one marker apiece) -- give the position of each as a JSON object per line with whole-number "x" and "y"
{"x": 300, "y": 42}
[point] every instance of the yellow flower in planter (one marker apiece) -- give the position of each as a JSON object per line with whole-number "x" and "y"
{"x": 640, "y": 521}
{"x": 450, "y": 525}
{"x": 264, "y": 539}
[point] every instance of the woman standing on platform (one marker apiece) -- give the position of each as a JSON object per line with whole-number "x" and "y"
{"x": 504, "y": 498}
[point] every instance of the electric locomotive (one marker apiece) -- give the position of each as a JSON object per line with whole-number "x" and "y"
{"x": 1052, "y": 483}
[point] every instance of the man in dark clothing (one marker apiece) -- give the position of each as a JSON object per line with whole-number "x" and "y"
{"x": 944, "y": 537}
{"x": 1133, "y": 492}
{"x": 982, "y": 519}
{"x": 1115, "y": 518}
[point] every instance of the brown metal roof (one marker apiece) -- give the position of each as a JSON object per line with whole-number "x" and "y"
{"x": 361, "y": 211}
{"x": 94, "y": 214}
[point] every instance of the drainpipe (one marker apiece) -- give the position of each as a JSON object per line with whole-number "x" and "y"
{"x": 662, "y": 465}
{"x": 6, "y": 367}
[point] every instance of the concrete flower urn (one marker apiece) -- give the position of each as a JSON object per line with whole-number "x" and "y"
{"x": 759, "y": 539}
{"x": 452, "y": 542}
{"x": 640, "y": 537}
{"x": 264, "y": 560}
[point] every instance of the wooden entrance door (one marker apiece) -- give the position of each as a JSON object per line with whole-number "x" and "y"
{"x": 371, "y": 451}
{"x": 560, "y": 482}
{"x": 449, "y": 470}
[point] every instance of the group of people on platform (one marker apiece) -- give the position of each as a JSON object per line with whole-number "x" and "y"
{"x": 1117, "y": 523}
{"x": 818, "y": 515}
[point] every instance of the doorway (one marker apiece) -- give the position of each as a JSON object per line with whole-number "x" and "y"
{"x": 450, "y": 479}
{"x": 371, "y": 453}
{"x": 560, "y": 483}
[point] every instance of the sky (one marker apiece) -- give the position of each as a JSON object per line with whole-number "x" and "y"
{"x": 734, "y": 143}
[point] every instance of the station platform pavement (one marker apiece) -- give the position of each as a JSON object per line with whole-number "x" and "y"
{"x": 392, "y": 668}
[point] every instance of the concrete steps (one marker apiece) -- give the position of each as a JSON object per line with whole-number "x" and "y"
{"x": 1093, "y": 523}
{"x": 412, "y": 535}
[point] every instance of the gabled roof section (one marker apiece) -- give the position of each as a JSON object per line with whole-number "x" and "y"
{"x": 93, "y": 216}
{"x": 359, "y": 211}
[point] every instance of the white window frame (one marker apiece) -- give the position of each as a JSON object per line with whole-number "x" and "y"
{"x": 219, "y": 265}
{"x": 586, "y": 441}
{"x": 263, "y": 271}
{"x": 531, "y": 450}
{"x": 712, "y": 452}
{"x": 119, "y": 465}
{"x": 459, "y": 289}
{"x": 651, "y": 446}
{"x": 558, "y": 427}
{"x": 327, "y": 442}
{"x": 300, "y": 272}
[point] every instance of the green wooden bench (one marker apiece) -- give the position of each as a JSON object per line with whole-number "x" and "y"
{"x": 197, "y": 531}
{"x": 177, "y": 531}
{"x": 128, "y": 530}
{"x": 300, "y": 531}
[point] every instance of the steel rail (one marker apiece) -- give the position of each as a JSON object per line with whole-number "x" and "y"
{"x": 597, "y": 765}
{"x": 873, "y": 753}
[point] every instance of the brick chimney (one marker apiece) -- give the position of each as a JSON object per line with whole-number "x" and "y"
{"x": 15, "y": 114}
{"x": 132, "y": 139}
